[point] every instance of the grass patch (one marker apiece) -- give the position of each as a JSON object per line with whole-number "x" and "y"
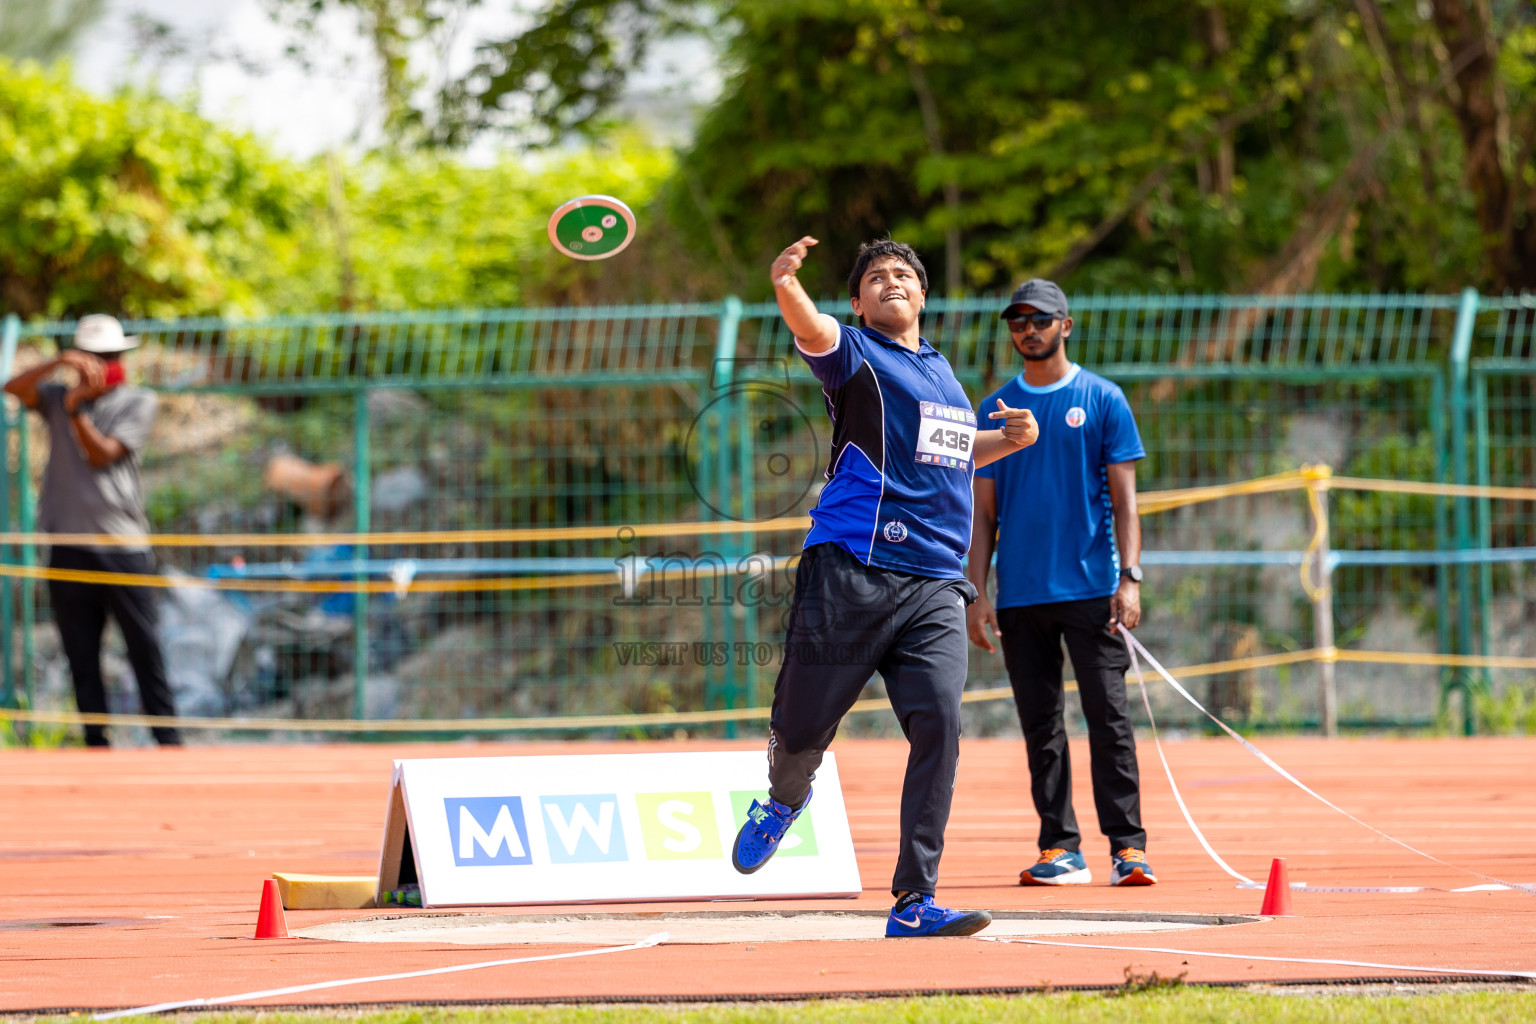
{"x": 1157, "y": 1003}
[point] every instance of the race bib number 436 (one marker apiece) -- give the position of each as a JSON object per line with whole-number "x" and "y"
{"x": 945, "y": 435}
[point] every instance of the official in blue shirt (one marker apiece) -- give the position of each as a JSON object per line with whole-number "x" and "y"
{"x": 881, "y": 585}
{"x": 1063, "y": 518}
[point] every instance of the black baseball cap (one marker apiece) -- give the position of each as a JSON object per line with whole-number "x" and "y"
{"x": 1042, "y": 294}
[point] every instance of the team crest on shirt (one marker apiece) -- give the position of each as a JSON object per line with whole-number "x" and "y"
{"x": 1076, "y": 417}
{"x": 895, "y": 531}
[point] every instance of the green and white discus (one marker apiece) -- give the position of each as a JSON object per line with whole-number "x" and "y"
{"x": 592, "y": 227}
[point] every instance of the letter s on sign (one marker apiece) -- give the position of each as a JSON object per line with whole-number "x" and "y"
{"x": 667, "y": 813}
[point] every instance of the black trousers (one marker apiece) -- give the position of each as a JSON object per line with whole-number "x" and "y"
{"x": 80, "y": 611}
{"x": 1031, "y": 641}
{"x": 849, "y": 621}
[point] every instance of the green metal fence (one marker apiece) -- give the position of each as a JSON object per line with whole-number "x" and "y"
{"x": 620, "y": 417}
{"x": 1502, "y": 382}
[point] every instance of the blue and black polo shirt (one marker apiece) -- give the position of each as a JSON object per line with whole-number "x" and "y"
{"x": 1086, "y": 426}
{"x": 898, "y": 492}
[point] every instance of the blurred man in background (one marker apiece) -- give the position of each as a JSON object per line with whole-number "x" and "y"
{"x": 97, "y": 428}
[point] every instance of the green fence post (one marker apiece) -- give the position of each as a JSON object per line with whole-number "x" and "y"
{"x": 1461, "y": 356}
{"x": 1443, "y": 572}
{"x": 363, "y": 479}
{"x": 1484, "y": 523}
{"x": 707, "y": 430}
{"x": 735, "y": 409}
{"x": 744, "y": 655}
{"x": 720, "y": 593}
{"x": 10, "y": 333}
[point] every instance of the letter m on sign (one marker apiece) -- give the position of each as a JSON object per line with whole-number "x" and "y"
{"x": 487, "y": 830}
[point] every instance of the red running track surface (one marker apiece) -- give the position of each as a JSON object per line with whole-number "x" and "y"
{"x": 132, "y": 876}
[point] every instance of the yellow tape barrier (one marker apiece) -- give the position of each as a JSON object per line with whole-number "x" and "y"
{"x": 525, "y": 535}
{"x": 674, "y": 719}
{"x": 426, "y": 586}
{"x": 414, "y": 586}
{"x": 1163, "y": 501}
{"x": 1314, "y": 479}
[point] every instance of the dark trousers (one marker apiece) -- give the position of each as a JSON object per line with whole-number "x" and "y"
{"x": 1031, "y": 640}
{"x": 80, "y": 611}
{"x": 849, "y": 621}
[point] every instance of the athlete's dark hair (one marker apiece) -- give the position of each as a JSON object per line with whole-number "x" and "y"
{"x": 884, "y": 248}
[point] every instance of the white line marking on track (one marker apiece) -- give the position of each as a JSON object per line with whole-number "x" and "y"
{"x": 653, "y": 940}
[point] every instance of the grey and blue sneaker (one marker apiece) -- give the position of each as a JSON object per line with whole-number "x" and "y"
{"x": 1131, "y": 868}
{"x": 917, "y": 916}
{"x": 1057, "y": 867}
{"x": 760, "y": 835}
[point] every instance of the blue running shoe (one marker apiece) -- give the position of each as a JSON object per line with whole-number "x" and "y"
{"x": 1057, "y": 867}
{"x": 1131, "y": 868}
{"x": 759, "y": 836}
{"x": 926, "y": 918}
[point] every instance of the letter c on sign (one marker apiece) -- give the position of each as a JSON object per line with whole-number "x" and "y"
{"x": 667, "y": 813}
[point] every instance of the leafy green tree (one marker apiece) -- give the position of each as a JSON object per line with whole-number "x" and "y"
{"x": 1241, "y": 145}
{"x": 44, "y": 30}
{"x": 1490, "y": 51}
{"x": 1224, "y": 146}
{"x": 425, "y": 230}
{"x": 409, "y": 41}
{"x": 137, "y": 205}
{"x": 132, "y": 204}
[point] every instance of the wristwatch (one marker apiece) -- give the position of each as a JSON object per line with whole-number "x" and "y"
{"x": 1131, "y": 572}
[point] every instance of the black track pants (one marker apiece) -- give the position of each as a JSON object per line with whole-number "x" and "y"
{"x": 849, "y": 621}
{"x": 1031, "y": 641}
{"x": 80, "y": 611}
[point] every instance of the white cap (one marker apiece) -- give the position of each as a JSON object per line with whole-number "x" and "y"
{"x": 102, "y": 335}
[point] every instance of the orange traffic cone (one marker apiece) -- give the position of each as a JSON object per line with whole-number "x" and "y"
{"x": 270, "y": 923}
{"x": 1277, "y": 894}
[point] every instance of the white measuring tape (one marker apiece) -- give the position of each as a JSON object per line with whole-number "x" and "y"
{"x": 1134, "y": 647}
{"x": 653, "y": 940}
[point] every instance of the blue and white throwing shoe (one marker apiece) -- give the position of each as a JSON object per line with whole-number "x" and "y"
{"x": 761, "y": 833}
{"x": 921, "y": 917}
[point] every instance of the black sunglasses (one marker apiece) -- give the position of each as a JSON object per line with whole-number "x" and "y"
{"x": 1041, "y": 321}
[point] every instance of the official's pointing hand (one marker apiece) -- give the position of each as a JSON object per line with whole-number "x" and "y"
{"x": 1019, "y": 425}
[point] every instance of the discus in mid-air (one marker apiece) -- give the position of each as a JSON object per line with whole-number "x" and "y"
{"x": 592, "y": 227}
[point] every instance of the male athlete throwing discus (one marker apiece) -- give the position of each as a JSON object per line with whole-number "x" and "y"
{"x": 881, "y": 584}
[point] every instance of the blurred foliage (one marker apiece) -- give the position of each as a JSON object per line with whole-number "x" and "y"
{"x": 1264, "y": 146}
{"x": 396, "y": 30}
{"x": 44, "y": 30}
{"x": 1261, "y": 146}
{"x": 136, "y": 205}
{"x": 1510, "y": 713}
{"x": 1232, "y": 145}
{"x": 424, "y": 230}
{"x": 131, "y": 205}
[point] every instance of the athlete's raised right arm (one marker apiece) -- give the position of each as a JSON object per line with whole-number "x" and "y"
{"x": 815, "y": 331}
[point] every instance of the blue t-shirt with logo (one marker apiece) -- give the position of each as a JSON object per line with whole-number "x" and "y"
{"x": 1055, "y": 525}
{"x": 898, "y": 492}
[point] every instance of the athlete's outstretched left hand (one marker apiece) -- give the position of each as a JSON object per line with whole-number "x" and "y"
{"x": 1019, "y": 425}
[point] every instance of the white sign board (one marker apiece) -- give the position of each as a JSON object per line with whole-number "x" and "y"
{"x": 603, "y": 828}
